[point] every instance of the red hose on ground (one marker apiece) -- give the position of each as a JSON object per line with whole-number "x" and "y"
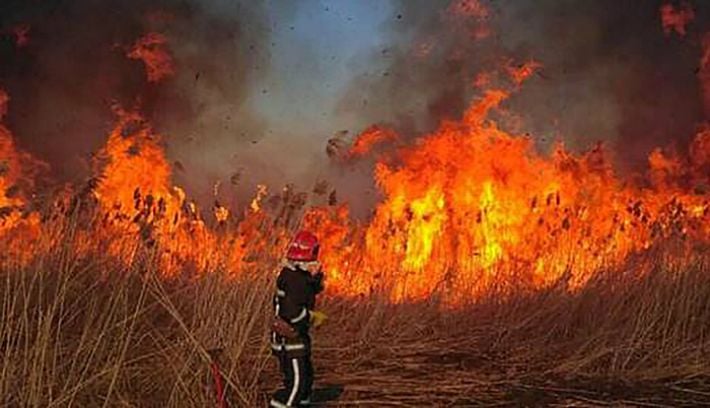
{"x": 218, "y": 386}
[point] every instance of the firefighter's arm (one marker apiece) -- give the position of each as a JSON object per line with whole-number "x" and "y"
{"x": 318, "y": 279}
{"x": 317, "y": 317}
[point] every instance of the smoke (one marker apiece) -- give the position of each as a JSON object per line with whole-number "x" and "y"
{"x": 71, "y": 67}
{"x": 424, "y": 73}
{"x": 609, "y": 71}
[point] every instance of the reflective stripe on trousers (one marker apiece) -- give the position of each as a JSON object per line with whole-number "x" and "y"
{"x": 287, "y": 347}
{"x": 298, "y": 380}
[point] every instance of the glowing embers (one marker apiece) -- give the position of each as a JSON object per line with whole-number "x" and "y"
{"x": 676, "y": 18}
{"x": 368, "y": 139}
{"x": 152, "y": 49}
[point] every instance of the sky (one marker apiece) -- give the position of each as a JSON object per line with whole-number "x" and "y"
{"x": 313, "y": 48}
{"x": 312, "y": 57}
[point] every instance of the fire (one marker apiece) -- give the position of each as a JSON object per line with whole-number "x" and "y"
{"x": 221, "y": 214}
{"x": 18, "y": 227}
{"x": 469, "y": 8}
{"x": 262, "y": 191}
{"x": 471, "y": 205}
{"x": 700, "y": 157}
{"x": 152, "y": 50}
{"x": 522, "y": 72}
{"x": 482, "y": 80}
{"x": 492, "y": 220}
{"x": 366, "y": 140}
{"x": 134, "y": 190}
{"x": 465, "y": 208}
{"x": 9, "y": 167}
{"x": 135, "y": 168}
{"x": 21, "y": 33}
{"x": 463, "y": 10}
{"x": 676, "y": 19}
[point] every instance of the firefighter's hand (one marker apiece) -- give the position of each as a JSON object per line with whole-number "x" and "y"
{"x": 318, "y": 318}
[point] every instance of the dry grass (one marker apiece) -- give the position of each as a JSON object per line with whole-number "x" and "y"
{"x": 94, "y": 331}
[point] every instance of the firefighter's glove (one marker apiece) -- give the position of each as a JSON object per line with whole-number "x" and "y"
{"x": 318, "y": 318}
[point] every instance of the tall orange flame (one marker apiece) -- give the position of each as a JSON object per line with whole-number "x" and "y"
{"x": 18, "y": 227}
{"x": 470, "y": 205}
{"x": 9, "y": 164}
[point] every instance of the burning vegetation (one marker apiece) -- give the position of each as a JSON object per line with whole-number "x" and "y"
{"x": 473, "y": 219}
{"x": 10, "y": 202}
{"x": 152, "y": 50}
{"x": 468, "y": 207}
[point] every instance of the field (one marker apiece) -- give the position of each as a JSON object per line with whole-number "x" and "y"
{"x": 484, "y": 243}
{"x": 93, "y": 330}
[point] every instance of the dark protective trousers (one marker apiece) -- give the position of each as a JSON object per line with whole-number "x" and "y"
{"x": 298, "y": 381}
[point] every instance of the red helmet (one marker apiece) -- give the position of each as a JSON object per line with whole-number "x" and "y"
{"x": 304, "y": 247}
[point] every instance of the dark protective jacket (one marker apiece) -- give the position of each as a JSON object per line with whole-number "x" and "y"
{"x": 294, "y": 300}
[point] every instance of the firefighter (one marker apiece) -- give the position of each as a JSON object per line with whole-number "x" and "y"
{"x": 297, "y": 285}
